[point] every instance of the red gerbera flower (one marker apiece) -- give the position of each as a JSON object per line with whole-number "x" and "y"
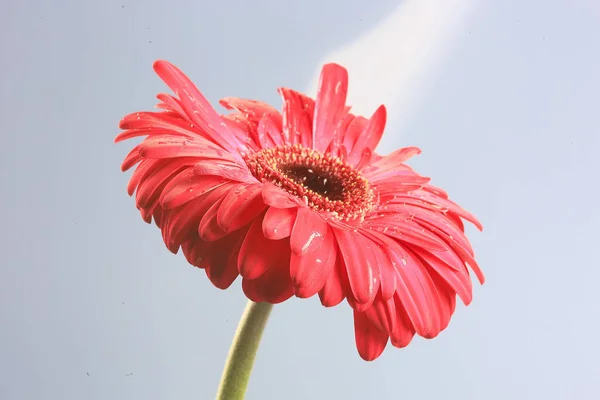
{"x": 299, "y": 203}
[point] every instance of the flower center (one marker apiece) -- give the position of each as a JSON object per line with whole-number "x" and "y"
{"x": 323, "y": 182}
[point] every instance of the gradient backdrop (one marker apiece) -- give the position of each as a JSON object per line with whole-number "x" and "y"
{"x": 501, "y": 95}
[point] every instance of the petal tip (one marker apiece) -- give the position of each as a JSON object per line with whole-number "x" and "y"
{"x": 158, "y": 64}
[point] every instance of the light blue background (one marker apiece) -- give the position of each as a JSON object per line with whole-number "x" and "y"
{"x": 92, "y": 306}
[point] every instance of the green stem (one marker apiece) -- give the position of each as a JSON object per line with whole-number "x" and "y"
{"x": 243, "y": 351}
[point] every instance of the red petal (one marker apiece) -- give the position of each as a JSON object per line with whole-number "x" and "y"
{"x": 399, "y": 184}
{"x": 263, "y": 119}
{"x": 382, "y": 314}
{"x": 253, "y": 110}
{"x": 448, "y": 266}
{"x": 244, "y": 130}
{"x": 361, "y": 264}
{"x": 157, "y": 123}
{"x": 197, "y": 108}
{"x": 153, "y": 185}
{"x": 183, "y": 222}
{"x": 353, "y": 131}
{"x": 447, "y": 301}
{"x": 370, "y": 341}
{"x": 450, "y": 205}
{"x": 387, "y": 273}
{"x": 309, "y": 231}
{"x": 371, "y": 134}
{"x": 390, "y": 164}
{"x": 404, "y": 330}
{"x": 364, "y": 159}
{"x": 194, "y": 250}
{"x": 165, "y": 146}
{"x": 272, "y": 287}
{"x": 132, "y": 158}
{"x": 253, "y": 290}
{"x": 170, "y": 103}
{"x": 209, "y": 229}
{"x": 375, "y": 128}
{"x": 465, "y": 254}
{"x": 140, "y": 171}
{"x": 360, "y": 307}
{"x": 431, "y": 219}
{"x": 297, "y": 117}
{"x": 333, "y": 292}
{"x": 337, "y": 142}
{"x": 309, "y": 272}
{"x": 258, "y": 254}
{"x": 275, "y": 285}
{"x": 228, "y": 170}
{"x": 267, "y": 133}
{"x": 329, "y": 105}
{"x": 188, "y": 186}
{"x": 416, "y": 290}
{"x": 278, "y": 222}
{"x": 278, "y": 198}
{"x": 402, "y": 228}
{"x": 240, "y": 206}
{"x": 222, "y": 257}
{"x": 387, "y": 269}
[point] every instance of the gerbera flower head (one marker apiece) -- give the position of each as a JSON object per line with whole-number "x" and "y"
{"x": 299, "y": 203}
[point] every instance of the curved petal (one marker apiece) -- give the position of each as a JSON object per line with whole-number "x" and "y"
{"x": 143, "y": 169}
{"x": 221, "y": 259}
{"x": 278, "y": 222}
{"x": 329, "y": 105}
{"x": 371, "y": 134}
{"x": 276, "y": 197}
{"x": 166, "y": 146}
{"x": 310, "y": 271}
{"x": 241, "y": 205}
{"x": 187, "y": 186}
{"x": 224, "y": 169}
{"x": 253, "y": 110}
{"x": 297, "y": 117}
{"x": 275, "y": 285}
{"x": 309, "y": 231}
{"x": 370, "y": 341}
{"x": 382, "y": 314}
{"x": 197, "y": 108}
{"x": 194, "y": 250}
{"x": 336, "y": 286}
{"x": 353, "y": 131}
{"x": 182, "y": 223}
{"x": 361, "y": 264}
{"x": 209, "y": 229}
{"x": 170, "y": 103}
{"x": 267, "y": 133}
{"x": 259, "y": 254}
{"x": 414, "y": 287}
{"x": 451, "y": 269}
{"x": 404, "y": 330}
{"x": 132, "y": 158}
{"x": 390, "y": 164}
{"x": 152, "y": 187}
